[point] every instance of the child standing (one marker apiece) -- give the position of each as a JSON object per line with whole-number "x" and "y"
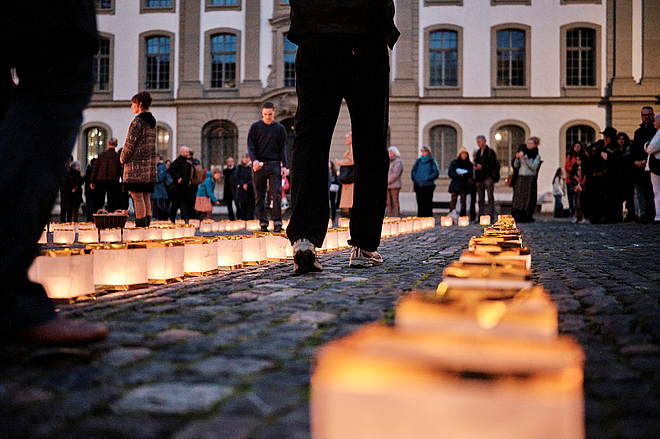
{"x": 205, "y": 196}
{"x": 558, "y": 192}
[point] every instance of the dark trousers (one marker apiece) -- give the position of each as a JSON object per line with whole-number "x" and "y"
{"x": 179, "y": 201}
{"x": 454, "y": 200}
{"x": 54, "y": 88}
{"x": 246, "y": 211}
{"x": 487, "y": 186}
{"x": 110, "y": 188}
{"x": 424, "y": 197}
{"x": 229, "y": 201}
{"x": 326, "y": 72}
{"x": 160, "y": 208}
{"x": 643, "y": 180}
{"x": 267, "y": 183}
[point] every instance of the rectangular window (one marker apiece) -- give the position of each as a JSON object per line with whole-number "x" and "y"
{"x": 158, "y": 63}
{"x": 580, "y": 62}
{"x": 101, "y": 66}
{"x": 159, "y": 3}
{"x": 511, "y": 58}
{"x": 443, "y": 59}
{"x": 290, "y": 50}
{"x": 224, "y": 2}
{"x": 102, "y": 5}
{"x": 223, "y": 61}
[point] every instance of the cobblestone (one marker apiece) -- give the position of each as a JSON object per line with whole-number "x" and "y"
{"x": 228, "y": 356}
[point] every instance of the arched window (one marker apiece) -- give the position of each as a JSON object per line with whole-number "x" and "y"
{"x": 583, "y": 133}
{"x": 507, "y": 140}
{"x": 164, "y": 142}
{"x": 223, "y": 61}
{"x": 290, "y": 50}
{"x": 95, "y": 142}
{"x": 219, "y": 142}
{"x": 443, "y": 142}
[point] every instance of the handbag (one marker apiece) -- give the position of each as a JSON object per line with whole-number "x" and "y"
{"x": 346, "y": 175}
{"x": 654, "y": 164}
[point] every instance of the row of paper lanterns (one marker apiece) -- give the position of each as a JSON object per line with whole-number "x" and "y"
{"x": 87, "y": 233}
{"x": 139, "y": 260}
{"x": 479, "y": 358}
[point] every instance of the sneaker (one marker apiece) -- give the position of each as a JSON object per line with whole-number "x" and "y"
{"x": 575, "y": 220}
{"x": 304, "y": 258}
{"x": 364, "y": 259}
{"x": 584, "y": 221}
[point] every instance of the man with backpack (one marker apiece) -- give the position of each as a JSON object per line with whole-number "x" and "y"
{"x": 197, "y": 176}
{"x": 486, "y": 174}
{"x": 181, "y": 171}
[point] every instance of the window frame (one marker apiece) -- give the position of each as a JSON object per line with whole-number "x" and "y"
{"x": 168, "y": 129}
{"x": 280, "y": 26}
{"x": 579, "y": 2}
{"x": 443, "y": 2}
{"x": 82, "y": 139}
{"x": 510, "y": 2}
{"x": 206, "y": 161}
{"x": 426, "y": 137}
{"x": 108, "y": 11}
{"x": 283, "y": 64}
{"x": 563, "y": 131}
{"x": 156, "y": 94}
{"x": 510, "y": 90}
{"x": 220, "y": 92}
{"x": 581, "y": 90}
{"x": 208, "y": 7}
{"x": 437, "y": 90}
{"x": 144, "y": 9}
{"x": 107, "y": 95}
{"x": 493, "y": 142}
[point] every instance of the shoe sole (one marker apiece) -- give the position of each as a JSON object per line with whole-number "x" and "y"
{"x": 360, "y": 263}
{"x": 304, "y": 260}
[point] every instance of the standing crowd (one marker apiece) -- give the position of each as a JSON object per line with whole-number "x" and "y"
{"x": 602, "y": 176}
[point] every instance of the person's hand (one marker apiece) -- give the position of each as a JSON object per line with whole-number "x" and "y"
{"x": 245, "y": 186}
{"x": 179, "y": 181}
{"x": 256, "y": 165}
{"x": 92, "y": 186}
{"x": 478, "y": 167}
{"x": 603, "y": 155}
{"x": 285, "y": 172}
{"x": 640, "y": 163}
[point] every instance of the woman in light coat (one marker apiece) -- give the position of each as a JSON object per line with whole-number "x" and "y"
{"x": 394, "y": 182}
{"x": 346, "y": 201}
{"x": 653, "y": 147}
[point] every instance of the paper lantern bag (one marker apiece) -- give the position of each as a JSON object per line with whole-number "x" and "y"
{"x": 65, "y": 274}
{"x": 384, "y": 383}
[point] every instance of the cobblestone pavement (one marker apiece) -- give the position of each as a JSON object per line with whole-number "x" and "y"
{"x": 228, "y": 356}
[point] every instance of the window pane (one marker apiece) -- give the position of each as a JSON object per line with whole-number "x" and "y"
{"x": 507, "y": 139}
{"x": 219, "y": 142}
{"x": 443, "y": 143}
{"x": 103, "y": 4}
{"x": 580, "y": 57}
{"x": 95, "y": 144}
{"x": 443, "y": 59}
{"x": 101, "y": 66}
{"x": 158, "y": 63}
{"x": 223, "y": 61}
{"x": 290, "y": 50}
{"x": 223, "y": 2}
{"x": 511, "y": 58}
{"x": 159, "y": 3}
{"x": 163, "y": 143}
{"x": 582, "y": 133}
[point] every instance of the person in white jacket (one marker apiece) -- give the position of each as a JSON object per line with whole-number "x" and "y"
{"x": 653, "y": 147}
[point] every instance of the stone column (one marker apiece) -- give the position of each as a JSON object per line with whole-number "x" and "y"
{"x": 189, "y": 28}
{"x": 623, "y": 80}
{"x": 405, "y": 74}
{"x": 251, "y": 85}
{"x": 651, "y": 42}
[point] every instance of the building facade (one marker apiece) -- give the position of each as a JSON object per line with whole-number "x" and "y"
{"x": 505, "y": 69}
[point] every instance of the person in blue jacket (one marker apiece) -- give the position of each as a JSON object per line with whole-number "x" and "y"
{"x": 205, "y": 196}
{"x": 423, "y": 174}
{"x": 160, "y": 206}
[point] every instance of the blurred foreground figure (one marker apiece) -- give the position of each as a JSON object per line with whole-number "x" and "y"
{"x": 46, "y": 51}
{"x": 342, "y": 55}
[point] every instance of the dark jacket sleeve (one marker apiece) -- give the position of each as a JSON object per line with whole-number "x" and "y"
{"x": 452, "y": 170}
